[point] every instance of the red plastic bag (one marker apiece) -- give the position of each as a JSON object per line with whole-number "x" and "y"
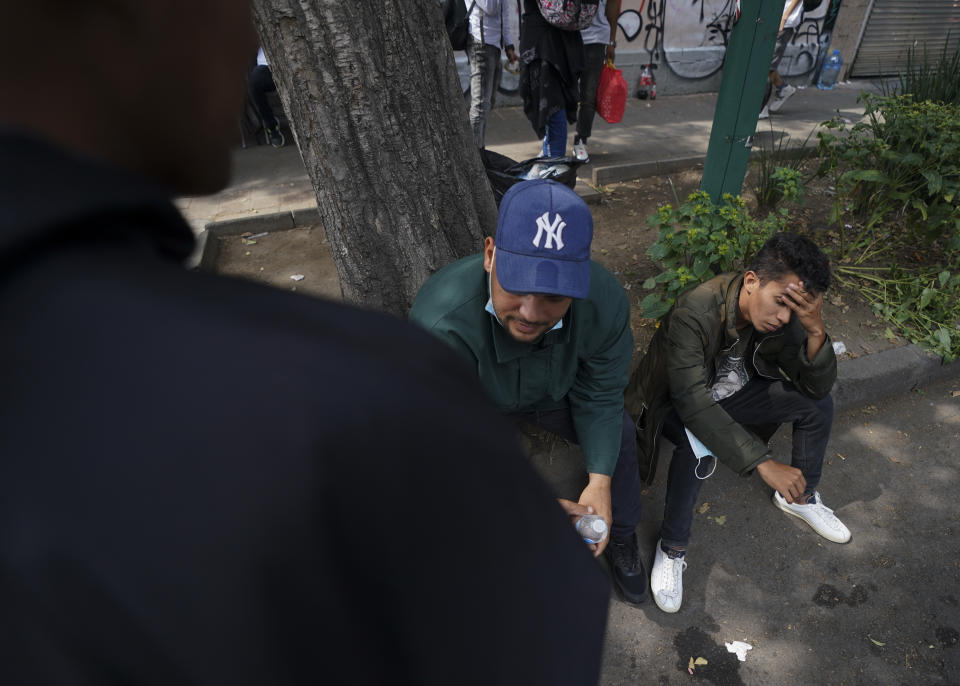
{"x": 611, "y": 94}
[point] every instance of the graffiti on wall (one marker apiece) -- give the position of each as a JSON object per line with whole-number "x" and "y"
{"x": 690, "y": 36}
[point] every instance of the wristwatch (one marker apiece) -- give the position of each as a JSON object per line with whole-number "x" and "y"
{"x": 612, "y": 44}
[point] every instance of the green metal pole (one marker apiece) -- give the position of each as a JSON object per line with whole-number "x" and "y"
{"x": 745, "y": 70}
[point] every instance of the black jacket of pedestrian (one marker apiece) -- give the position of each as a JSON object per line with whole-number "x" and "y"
{"x": 207, "y": 481}
{"x": 551, "y": 61}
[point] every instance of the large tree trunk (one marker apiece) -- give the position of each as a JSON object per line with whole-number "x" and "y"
{"x": 376, "y": 108}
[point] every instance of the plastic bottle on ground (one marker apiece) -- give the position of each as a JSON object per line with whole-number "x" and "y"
{"x": 830, "y": 72}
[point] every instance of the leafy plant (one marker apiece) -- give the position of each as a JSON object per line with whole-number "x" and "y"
{"x": 927, "y": 79}
{"x": 897, "y": 176}
{"x": 780, "y": 172}
{"x": 699, "y": 239}
{"x": 923, "y": 302}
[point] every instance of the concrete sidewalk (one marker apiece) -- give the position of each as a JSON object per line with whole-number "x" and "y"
{"x": 269, "y": 185}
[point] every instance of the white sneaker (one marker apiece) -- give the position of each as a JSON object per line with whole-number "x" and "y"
{"x": 764, "y": 113}
{"x": 820, "y": 517}
{"x": 666, "y": 580}
{"x": 580, "y": 152}
{"x": 782, "y": 96}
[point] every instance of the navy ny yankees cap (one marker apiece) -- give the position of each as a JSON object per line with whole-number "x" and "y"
{"x": 543, "y": 240}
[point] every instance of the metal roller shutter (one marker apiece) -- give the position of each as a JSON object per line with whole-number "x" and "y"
{"x": 895, "y": 25}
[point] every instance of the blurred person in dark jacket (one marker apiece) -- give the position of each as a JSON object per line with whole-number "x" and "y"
{"x": 208, "y": 481}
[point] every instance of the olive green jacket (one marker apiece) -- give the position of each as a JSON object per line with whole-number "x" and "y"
{"x": 679, "y": 368}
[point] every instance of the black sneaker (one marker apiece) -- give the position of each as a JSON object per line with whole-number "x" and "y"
{"x": 627, "y": 570}
{"x": 275, "y": 136}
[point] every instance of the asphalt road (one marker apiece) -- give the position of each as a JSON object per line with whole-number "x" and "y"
{"x": 881, "y": 609}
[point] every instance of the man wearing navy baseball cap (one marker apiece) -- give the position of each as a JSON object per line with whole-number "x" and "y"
{"x": 548, "y": 331}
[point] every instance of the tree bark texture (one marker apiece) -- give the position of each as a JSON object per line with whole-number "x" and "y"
{"x": 372, "y": 94}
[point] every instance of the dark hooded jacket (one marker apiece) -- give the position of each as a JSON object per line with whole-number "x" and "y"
{"x": 207, "y": 481}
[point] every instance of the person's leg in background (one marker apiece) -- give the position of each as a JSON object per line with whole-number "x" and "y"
{"x": 777, "y": 91}
{"x": 484, "y": 60}
{"x": 555, "y": 140}
{"x": 259, "y": 83}
{"x": 594, "y": 54}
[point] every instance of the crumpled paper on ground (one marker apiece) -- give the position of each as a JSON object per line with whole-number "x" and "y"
{"x": 740, "y": 648}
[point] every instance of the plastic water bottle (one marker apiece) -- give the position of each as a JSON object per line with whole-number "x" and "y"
{"x": 592, "y": 528}
{"x": 830, "y": 72}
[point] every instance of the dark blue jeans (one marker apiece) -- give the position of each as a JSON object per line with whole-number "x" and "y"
{"x": 594, "y": 54}
{"x": 761, "y": 406}
{"x": 625, "y": 481}
{"x": 555, "y": 142}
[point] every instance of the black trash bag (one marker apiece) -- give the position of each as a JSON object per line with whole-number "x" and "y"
{"x": 504, "y": 172}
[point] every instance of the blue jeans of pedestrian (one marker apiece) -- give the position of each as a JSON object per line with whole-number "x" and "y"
{"x": 760, "y": 406}
{"x": 555, "y": 142}
{"x": 625, "y": 481}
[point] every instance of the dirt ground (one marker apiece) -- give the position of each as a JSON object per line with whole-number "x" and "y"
{"x": 621, "y": 239}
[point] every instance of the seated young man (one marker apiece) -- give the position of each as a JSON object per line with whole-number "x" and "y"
{"x": 734, "y": 358}
{"x": 548, "y": 332}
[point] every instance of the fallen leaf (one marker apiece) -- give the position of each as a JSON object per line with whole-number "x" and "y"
{"x": 700, "y": 661}
{"x": 690, "y": 666}
{"x": 954, "y": 394}
{"x": 875, "y": 641}
{"x": 703, "y": 508}
{"x": 893, "y": 459}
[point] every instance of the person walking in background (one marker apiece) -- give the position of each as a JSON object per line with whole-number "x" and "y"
{"x": 776, "y": 86}
{"x": 551, "y": 61}
{"x": 599, "y": 45}
{"x": 490, "y": 29}
{"x": 259, "y": 83}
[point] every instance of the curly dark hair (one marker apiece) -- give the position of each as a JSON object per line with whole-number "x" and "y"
{"x": 787, "y": 252}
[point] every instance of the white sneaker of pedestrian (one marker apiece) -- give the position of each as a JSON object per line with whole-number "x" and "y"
{"x": 666, "y": 580}
{"x": 764, "y": 113}
{"x": 782, "y": 96}
{"x": 580, "y": 152}
{"x": 820, "y": 517}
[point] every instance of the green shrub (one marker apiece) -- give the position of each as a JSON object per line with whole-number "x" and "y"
{"x": 780, "y": 172}
{"x": 923, "y": 302}
{"x": 897, "y": 205}
{"x": 700, "y": 239}
{"x": 896, "y": 174}
{"x": 926, "y": 79}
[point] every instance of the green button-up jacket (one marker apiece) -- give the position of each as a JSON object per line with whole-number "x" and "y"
{"x": 583, "y": 365}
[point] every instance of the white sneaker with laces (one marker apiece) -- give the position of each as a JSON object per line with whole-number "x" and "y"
{"x": 782, "y": 96}
{"x": 820, "y": 517}
{"x": 666, "y": 581}
{"x": 764, "y": 113}
{"x": 580, "y": 152}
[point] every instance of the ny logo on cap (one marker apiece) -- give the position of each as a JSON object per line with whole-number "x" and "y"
{"x": 553, "y": 230}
